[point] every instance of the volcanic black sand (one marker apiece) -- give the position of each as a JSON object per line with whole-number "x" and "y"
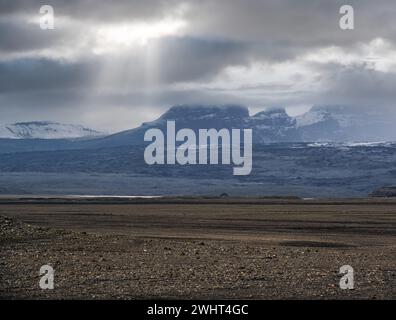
{"x": 197, "y": 248}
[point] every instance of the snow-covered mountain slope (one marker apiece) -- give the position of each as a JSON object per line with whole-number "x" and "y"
{"x": 46, "y": 130}
{"x": 346, "y": 124}
{"x": 273, "y": 125}
{"x": 320, "y": 124}
{"x": 313, "y": 116}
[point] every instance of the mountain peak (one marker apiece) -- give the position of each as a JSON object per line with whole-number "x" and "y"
{"x": 205, "y": 112}
{"x": 271, "y": 113}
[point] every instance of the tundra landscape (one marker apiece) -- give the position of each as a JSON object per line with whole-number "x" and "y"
{"x": 194, "y": 248}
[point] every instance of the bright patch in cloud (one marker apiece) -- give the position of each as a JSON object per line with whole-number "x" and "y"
{"x": 117, "y": 37}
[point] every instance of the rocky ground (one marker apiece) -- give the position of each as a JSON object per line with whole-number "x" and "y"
{"x": 103, "y": 265}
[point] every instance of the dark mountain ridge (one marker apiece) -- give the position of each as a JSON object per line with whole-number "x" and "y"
{"x": 321, "y": 123}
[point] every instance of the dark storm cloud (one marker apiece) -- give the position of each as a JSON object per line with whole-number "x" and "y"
{"x": 44, "y": 75}
{"x": 92, "y": 10}
{"x": 241, "y": 18}
{"x": 280, "y": 28}
{"x": 178, "y": 60}
{"x": 302, "y": 23}
{"x": 357, "y": 85}
{"x": 37, "y": 76}
{"x": 188, "y": 59}
{"x": 17, "y": 36}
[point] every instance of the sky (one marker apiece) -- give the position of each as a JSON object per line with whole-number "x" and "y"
{"x": 112, "y": 65}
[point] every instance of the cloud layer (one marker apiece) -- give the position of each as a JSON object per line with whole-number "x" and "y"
{"x": 114, "y": 64}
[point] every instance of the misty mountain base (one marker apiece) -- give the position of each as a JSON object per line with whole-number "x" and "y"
{"x": 329, "y": 165}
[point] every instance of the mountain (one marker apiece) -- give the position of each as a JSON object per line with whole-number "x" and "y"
{"x": 346, "y": 124}
{"x": 320, "y": 124}
{"x": 114, "y": 164}
{"x": 206, "y": 116}
{"x": 317, "y": 125}
{"x": 273, "y": 125}
{"x": 194, "y": 117}
{"x": 202, "y": 117}
{"x": 46, "y": 130}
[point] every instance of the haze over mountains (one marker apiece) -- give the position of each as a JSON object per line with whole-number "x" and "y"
{"x": 320, "y": 124}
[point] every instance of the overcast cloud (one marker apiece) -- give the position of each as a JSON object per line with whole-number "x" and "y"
{"x": 115, "y": 64}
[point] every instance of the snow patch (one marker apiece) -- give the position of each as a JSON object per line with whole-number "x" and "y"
{"x": 46, "y": 130}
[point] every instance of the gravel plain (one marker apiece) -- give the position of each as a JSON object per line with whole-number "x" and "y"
{"x": 198, "y": 249}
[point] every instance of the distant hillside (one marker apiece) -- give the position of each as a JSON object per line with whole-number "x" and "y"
{"x": 46, "y": 130}
{"x": 347, "y": 124}
{"x": 320, "y": 124}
